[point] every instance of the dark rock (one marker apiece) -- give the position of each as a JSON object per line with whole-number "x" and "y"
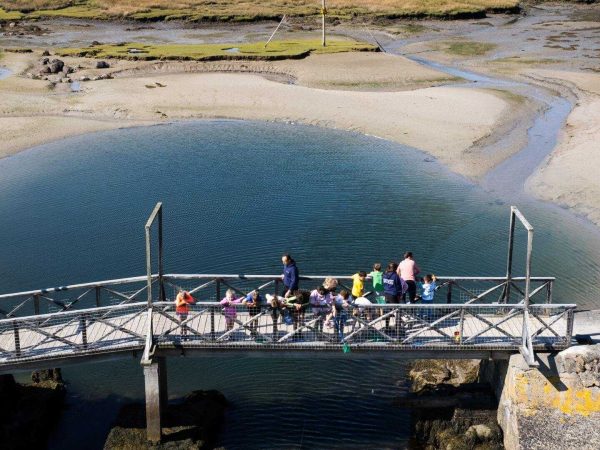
{"x": 56, "y": 65}
{"x": 192, "y": 423}
{"x": 45, "y": 69}
{"x": 53, "y": 375}
{"x": 428, "y": 374}
{"x": 96, "y": 43}
{"x": 44, "y": 61}
{"x": 46, "y": 53}
{"x": 29, "y": 412}
{"x": 102, "y": 65}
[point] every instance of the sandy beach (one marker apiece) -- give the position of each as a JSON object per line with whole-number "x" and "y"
{"x": 155, "y": 93}
{"x": 569, "y": 176}
{"x": 469, "y": 127}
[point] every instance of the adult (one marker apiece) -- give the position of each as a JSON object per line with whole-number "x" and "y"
{"x": 408, "y": 271}
{"x": 290, "y": 275}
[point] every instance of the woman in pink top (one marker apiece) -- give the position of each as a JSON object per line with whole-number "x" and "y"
{"x": 408, "y": 270}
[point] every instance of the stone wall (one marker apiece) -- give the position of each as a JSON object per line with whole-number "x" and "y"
{"x": 555, "y": 406}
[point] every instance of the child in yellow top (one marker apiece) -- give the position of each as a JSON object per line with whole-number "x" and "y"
{"x": 358, "y": 285}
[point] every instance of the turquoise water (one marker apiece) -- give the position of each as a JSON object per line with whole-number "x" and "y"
{"x": 237, "y": 195}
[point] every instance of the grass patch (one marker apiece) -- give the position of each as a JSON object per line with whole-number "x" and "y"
{"x": 10, "y": 15}
{"x": 212, "y": 52}
{"x": 466, "y": 48}
{"x": 529, "y": 61}
{"x": 248, "y": 10}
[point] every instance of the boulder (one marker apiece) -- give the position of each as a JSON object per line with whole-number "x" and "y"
{"x": 84, "y": 78}
{"x": 45, "y": 53}
{"x": 583, "y": 362}
{"x": 430, "y": 374}
{"x": 56, "y": 66}
{"x": 44, "y": 61}
{"x": 102, "y": 65}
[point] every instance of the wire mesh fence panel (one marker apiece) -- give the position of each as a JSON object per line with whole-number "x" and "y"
{"x": 374, "y": 326}
{"x": 73, "y": 333}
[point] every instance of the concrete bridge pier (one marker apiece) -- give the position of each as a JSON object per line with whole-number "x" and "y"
{"x": 156, "y": 387}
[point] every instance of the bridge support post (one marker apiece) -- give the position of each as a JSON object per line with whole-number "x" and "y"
{"x": 155, "y": 380}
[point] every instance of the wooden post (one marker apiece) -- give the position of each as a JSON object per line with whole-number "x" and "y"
{"x": 17, "y": 339}
{"x": 155, "y": 380}
{"x": 36, "y": 304}
{"x": 83, "y": 326}
{"x": 98, "y": 296}
{"x": 323, "y": 13}
{"x": 509, "y": 258}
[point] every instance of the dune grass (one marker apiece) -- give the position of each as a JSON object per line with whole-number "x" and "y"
{"x": 211, "y": 52}
{"x": 247, "y": 10}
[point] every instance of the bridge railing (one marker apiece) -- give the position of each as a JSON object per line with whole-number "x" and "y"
{"x": 376, "y": 326}
{"x": 73, "y": 333}
{"x": 210, "y": 326}
{"x": 212, "y": 287}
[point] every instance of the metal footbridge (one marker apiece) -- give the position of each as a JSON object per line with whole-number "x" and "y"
{"x": 107, "y": 319}
{"x": 471, "y": 317}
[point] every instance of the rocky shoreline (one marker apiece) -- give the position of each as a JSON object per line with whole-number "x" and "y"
{"x": 30, "y": 412}
{"x": 452, "y": 407}
{"x": 189, "y": 423}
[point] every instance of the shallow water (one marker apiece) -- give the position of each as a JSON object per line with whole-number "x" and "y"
{"x": 237, "y": 195}
{"x": 4, "y": 73}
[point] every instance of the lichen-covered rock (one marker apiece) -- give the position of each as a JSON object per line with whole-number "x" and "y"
{"x": 431, "y": 373}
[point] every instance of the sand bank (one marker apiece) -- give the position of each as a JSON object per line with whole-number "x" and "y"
{"x": 444, "y": 121}
{"x": 569, "y": 176}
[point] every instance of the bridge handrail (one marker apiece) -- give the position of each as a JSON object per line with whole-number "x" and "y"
{"x": 434, "y": 306}
{"x": 235, "y": 277}
{"x": 74, "y": 312}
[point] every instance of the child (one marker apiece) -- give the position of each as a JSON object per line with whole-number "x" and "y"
{"x": 297, "y": 305}
{"x": 393, "y": 289}
{"x": 320, "y": 300}
{"x": 253, "y": 301}
{"x": 428, "y": 287}
{"x": 377, "y": 279}
{"x": 340, "y": 313}
{"x": 277, "y": 306}
{"x": 330, "y": 284}
{"x": 182, "y": 308}
{"x": 358, "y": 285}
{"x": 229, "y": 310}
